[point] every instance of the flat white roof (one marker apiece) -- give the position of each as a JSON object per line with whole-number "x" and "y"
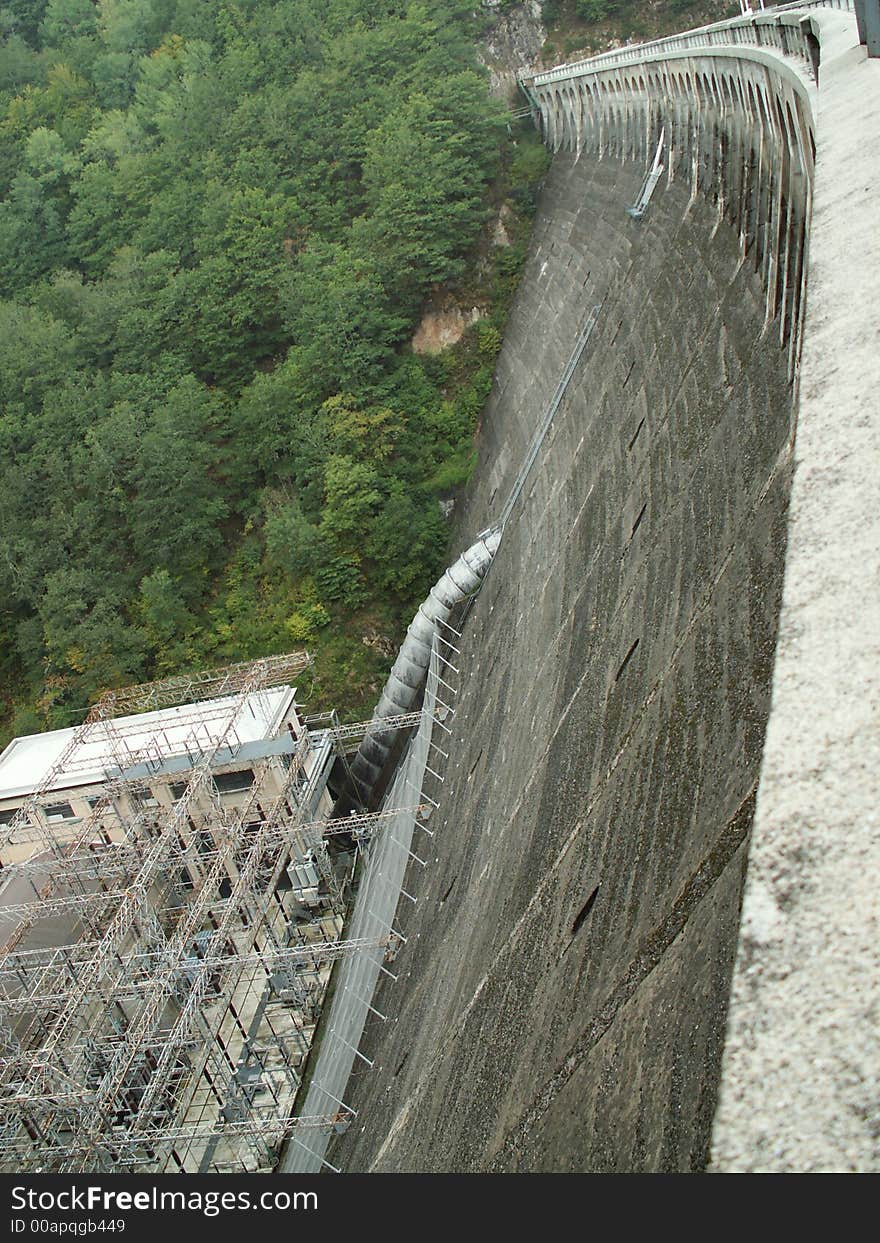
{"x": 146, "y": 737}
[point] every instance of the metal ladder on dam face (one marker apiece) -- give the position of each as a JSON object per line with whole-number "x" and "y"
{"x": 640, "y": 206}
{"x": 555, "y": 402}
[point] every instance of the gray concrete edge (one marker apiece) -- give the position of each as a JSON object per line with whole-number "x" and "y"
{"x": 800, "y": 1086}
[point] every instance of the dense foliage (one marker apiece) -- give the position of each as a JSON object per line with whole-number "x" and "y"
{"x": 582, "y": 27}
{"x": 218, "y": 225}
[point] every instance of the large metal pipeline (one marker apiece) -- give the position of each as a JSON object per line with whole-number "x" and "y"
{"x": 409, "y": 671}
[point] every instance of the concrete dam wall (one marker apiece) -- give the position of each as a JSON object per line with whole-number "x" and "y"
{"x": 564, "y": 988}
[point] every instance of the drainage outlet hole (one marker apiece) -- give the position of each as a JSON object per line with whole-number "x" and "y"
{"x": 627, "y": 658}
{"x": 584, "y": 912}
{"x": 635, "y": 436}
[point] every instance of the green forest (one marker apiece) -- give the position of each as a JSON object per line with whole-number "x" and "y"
{"x": 577, "y": 28}
{"x": 219, "y": 226}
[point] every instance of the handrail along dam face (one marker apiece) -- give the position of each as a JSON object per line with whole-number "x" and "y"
{"x": 566, "y": 979}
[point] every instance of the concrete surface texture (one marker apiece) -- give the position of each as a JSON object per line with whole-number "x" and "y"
{"x": 564, "y": 984}
{"x": 801, "y": 1082}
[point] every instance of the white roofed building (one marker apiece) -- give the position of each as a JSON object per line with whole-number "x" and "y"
{"x": 168, "y": 917}
{"x": 144, "y": 760}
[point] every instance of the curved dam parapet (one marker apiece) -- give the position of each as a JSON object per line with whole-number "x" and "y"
{"x": 728, "y": 115}
{"x": 565, "y": 989}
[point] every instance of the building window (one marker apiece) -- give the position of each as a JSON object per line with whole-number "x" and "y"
{"x": 178, "y": 789}
{"x": 234, "y": 783}
{"x": 7, "y": 817}
{"x": 205, "y": 843}
{"x": 59, "y": 811}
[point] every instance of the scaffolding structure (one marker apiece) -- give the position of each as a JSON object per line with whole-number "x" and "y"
{"x": 159, "y": 980}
